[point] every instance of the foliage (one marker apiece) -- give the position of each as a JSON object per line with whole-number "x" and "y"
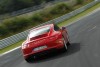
{"x": 7, "y": 6}
{"x": 17, "y": 24}
{"x": 3, "y": 30}
{"x": 37, "y": 17}
{"x": 60, "y": 8}
{"x": 80, "y": 1}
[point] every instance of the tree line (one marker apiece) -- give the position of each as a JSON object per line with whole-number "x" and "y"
{"x": 7, "y": 6}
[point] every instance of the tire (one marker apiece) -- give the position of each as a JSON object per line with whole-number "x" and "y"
{"x": 30, "y": 59}
{"x": 68, "y": 44}
{"x": 65, "y": 45}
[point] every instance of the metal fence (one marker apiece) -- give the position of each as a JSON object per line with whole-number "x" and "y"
{"x": 21, "y": 36}
{"x": 27, "y": 10}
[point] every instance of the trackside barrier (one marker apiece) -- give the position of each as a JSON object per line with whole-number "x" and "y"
{"x": 21, "y": 36}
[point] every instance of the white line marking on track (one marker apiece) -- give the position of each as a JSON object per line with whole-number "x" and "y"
{"x": 10, "y": 50}
{"x": 92, "y": 28}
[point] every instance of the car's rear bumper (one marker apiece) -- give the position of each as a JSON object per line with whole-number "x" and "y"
{"x": 43, "y": 52}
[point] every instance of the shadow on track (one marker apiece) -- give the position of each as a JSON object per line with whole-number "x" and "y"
{"x": 73, "y": 48}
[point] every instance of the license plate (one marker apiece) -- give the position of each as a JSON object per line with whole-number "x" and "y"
{"x": 39, "y": 48}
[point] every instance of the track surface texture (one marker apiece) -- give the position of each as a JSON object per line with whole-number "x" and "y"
{"x": 84, "y": 50}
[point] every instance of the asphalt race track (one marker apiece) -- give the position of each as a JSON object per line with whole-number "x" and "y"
{"x": 84, "y": 50}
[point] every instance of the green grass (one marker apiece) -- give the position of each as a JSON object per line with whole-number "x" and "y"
{"x": 60, "y": 24}
{"x": 72, "y": 19}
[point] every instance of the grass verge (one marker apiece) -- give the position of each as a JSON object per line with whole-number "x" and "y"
{"x": 60, "y": 24}
{"x": 72, "y": 19}
{"x": 11, "y": 47}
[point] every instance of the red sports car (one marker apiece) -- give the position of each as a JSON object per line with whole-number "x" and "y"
{"x": 44, "y": 39}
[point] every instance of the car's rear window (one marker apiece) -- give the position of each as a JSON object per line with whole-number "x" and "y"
{"x": 39, "y": 31}
{"x": 56, "y": 28}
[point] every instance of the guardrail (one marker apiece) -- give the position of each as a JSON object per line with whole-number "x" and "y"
{"x": 27, "y": 10}
{"x": 21, "y": 36}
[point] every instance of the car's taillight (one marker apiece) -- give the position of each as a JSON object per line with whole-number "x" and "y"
{"x": 59, "y": 41}
{"x": 39, "y": 41}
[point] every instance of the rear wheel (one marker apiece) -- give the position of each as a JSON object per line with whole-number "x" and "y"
{"x": 30, "y": 59}
{"x": 68, "y": 44}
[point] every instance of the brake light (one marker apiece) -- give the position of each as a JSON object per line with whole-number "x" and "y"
{"x": 39, "y": 41}
{"x": 59, "y": 41}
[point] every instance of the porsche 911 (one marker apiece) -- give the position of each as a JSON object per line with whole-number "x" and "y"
{"x": 44, "y": 39}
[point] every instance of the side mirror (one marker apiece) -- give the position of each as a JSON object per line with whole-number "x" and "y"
{"x": 63, "y": 28}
